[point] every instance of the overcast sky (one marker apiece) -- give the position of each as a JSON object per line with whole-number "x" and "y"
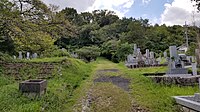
{"x": 168, "y": 12}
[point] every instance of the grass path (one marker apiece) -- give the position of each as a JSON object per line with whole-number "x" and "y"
{"x": 108, "y": 97}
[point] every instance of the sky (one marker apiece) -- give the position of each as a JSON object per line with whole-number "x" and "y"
{"x": 169, "y": 12}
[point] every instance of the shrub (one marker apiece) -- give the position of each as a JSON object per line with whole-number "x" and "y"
{"x": 55, "y": 52}
{"x": 5, "y": 57}
{"x": 89, "y": 53}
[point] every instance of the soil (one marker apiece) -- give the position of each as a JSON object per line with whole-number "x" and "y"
{"x": 108, "y": 70}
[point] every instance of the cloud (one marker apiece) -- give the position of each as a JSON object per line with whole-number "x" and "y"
{"x": 146, "y": 1}
{"x": 121, "y": 7}
{"x": 178, "y": 12}
{"x": 79, "y": 5}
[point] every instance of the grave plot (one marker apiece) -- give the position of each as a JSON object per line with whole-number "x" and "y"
{"x": 137, "y": 59}
{"x": 36, "y": 87}
{"x": 189, "y": 103}
{"x": 177, "y": 72}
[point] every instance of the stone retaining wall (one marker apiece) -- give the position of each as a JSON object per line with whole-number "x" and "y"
{"x": 143, "y": 66}
{"x": 22, "y": 70}
{"x": 182, "y": 81}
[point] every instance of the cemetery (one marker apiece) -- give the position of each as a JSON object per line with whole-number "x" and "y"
{"x": 99, "y": 56}
{"x": 178, "y": 64}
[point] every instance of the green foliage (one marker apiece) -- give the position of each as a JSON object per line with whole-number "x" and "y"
{"x": 5, "y": 57}
{"x": 109, "y": 49}
{"x": 191, "y": 50}
{"x": 123, "y": 51}
{"x": 116, "y": 51}
{"x": 39, "y": 28}
{"x": 35, "y": 42}
{"x": 89, "y": 53}
{"x": 55, "y": 52}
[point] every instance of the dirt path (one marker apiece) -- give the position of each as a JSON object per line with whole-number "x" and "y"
{"x": 109, "y": 93}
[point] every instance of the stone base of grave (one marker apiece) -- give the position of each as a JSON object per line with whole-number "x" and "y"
{"x": 177, "y": 80}
{"x": 143, "y": 66}
{"x": 177, "y": 71}
{"x": 36, "y": 87}
{"x": 189, "y": 103}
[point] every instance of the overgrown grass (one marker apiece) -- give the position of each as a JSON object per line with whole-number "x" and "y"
{"x": 60, "y": 92}
{"x": 110, "y": 98}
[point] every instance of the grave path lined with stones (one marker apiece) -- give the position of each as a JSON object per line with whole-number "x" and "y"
{"x": 109, "y": 93}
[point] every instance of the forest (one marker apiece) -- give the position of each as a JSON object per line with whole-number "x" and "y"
{"x": 32, "y": 26}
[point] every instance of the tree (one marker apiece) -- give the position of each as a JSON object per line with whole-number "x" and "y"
{"x": 9, "y": 17}
{"x": 123, "y": 51}
{"x": 34, "y": 42}
{"x": 197, "y": 3}
{"x": 34, "y": 10}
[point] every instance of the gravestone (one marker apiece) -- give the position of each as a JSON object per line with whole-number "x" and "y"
{"x": 130, "y": 58}
{"x": 176, "y": 67}
{"x": 173, "y": 52}
{"x": 34, "y": 55}
{"x": 197, "y": 56}
{"x": 131, "y": 61}
{"x": 28, "y": 55}
{"x": 147, "y": 53}
{"x": 189, "y": 59}
{"x": 194, "y": 69}
{"x": 135, "y": 49}
{"x": 138, "y": 51}
{"x": 165, "y": 54}
{"x": 152, "y": 55}
{"x": 20, "y": 55}
{"x": 74, "y": 55}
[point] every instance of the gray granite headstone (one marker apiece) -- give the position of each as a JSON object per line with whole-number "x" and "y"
{"x": 34, "y": 55}
{"x": 194, "y": 69}
{"x": 20, "y": 55}
{"x": 152, "y": 55}
{"x": 182, "y": 64}
{"x": 173, "y": 52}
{"x": 165, "y": 54}
{"x": 28, "y": 55}
{"x": 147, "y": 53}
{"x": 197, "y": 55}
{"x": 135, "y": 49}
{"x": 138, "y": 51}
